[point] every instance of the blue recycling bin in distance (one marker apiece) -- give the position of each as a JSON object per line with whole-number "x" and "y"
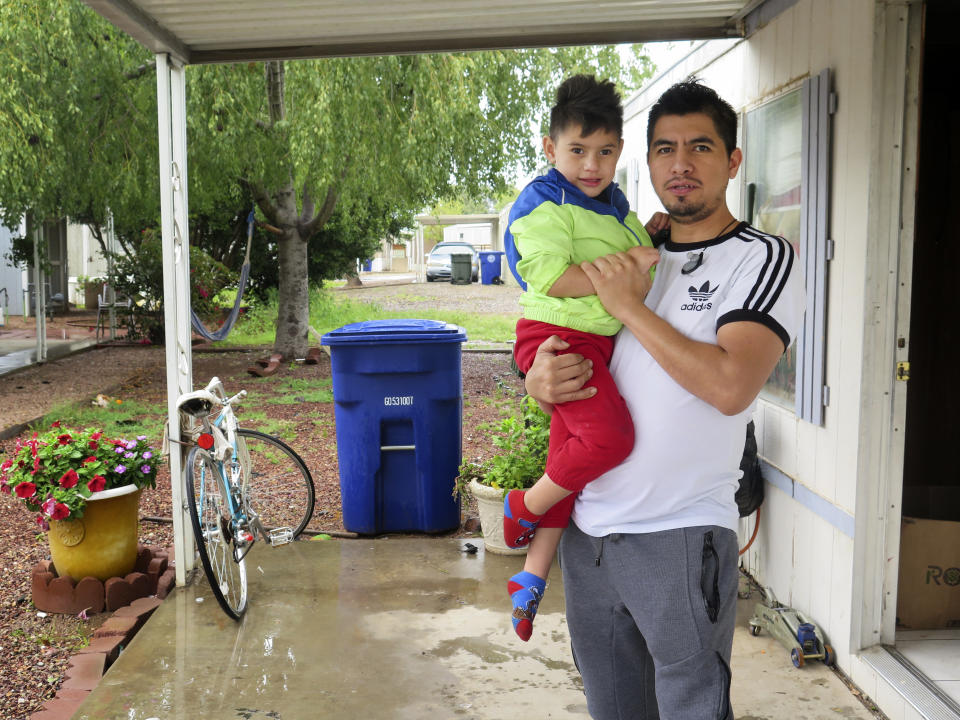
{"x": 489, "y": 266}
{"x": 398, "y": 406}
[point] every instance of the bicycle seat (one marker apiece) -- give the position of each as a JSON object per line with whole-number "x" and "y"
{"x": 198, "y": 403}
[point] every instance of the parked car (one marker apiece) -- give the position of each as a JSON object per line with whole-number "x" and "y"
{"x": 438, "y": 261}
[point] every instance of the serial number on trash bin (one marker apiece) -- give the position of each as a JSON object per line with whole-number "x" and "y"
{"x": 392, "y": 400}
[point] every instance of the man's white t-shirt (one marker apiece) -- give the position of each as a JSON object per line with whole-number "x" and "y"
{"x": 685, "y": 466}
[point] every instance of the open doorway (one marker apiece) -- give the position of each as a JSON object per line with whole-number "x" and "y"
{"x": 928, "y": 610}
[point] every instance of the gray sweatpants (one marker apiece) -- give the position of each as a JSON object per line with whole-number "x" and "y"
{"x": 651, "y": 619}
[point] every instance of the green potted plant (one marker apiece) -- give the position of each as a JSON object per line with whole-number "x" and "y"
{"x": 85, "y": 489}
{"x": 521, "y": 440}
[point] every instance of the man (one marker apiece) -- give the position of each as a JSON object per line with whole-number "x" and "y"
{"x": 650, "y": 561}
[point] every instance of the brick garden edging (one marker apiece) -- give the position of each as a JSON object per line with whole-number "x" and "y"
{"x": 152, "y": 574}
{"x": 89, "y": 664}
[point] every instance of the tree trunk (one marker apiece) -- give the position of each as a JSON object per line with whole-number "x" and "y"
{"x": 293, "y": 318}
{"x": 353, "y": 280}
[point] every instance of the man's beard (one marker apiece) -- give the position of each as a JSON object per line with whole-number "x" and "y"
{"x": 687, "y": 212}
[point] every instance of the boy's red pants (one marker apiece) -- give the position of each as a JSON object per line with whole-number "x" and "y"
{"x": 587, "y": 437}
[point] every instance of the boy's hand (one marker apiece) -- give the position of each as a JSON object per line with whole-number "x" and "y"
{"x": 556, "y": 378}
{"x": 622, "y": 280}
{"x": 657, "y": 222}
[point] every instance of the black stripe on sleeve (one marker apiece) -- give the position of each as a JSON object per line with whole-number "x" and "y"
{"x": 783, "y": 278}
{"x": 763, "y": 271}
{"x": 757, "y": 317}
{"x": 775, "y": 249}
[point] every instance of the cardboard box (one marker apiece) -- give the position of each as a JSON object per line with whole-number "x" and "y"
{"x": 928, "y": 594}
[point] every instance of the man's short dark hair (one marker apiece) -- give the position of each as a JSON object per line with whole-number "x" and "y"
{"x": 690, "y": 96}
{"x": 590, "y": 103}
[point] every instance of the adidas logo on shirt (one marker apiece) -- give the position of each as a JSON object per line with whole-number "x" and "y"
{"x": 699, "y": 298}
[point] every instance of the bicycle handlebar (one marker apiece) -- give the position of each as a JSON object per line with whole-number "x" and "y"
{"x": 216, "y": 387}
{"x": 239, "y": 396}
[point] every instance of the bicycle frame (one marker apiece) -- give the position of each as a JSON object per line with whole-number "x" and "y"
{"x": 222, "y": 454}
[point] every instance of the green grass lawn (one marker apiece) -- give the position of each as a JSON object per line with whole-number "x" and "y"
{"x": 125, "y": 419}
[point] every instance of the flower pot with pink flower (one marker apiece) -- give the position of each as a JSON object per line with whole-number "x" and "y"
{"x": 85, "y": 489}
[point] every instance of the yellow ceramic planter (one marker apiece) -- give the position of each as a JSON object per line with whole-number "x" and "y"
{"x": 101, "y": 544}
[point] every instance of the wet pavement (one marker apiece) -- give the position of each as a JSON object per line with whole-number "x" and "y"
{"x": 66, "y": 334}
{"x": 18, "y": 354}
{"x": 395, "y": 629}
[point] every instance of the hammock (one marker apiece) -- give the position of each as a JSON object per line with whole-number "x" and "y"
{"x": 227, "y": 326}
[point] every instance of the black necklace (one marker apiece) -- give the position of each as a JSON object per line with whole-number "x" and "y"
{"x": 695, "y": 259}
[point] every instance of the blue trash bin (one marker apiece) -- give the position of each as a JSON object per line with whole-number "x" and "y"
{"x": 398, "y": 405}
{"x": 489, "y": 266}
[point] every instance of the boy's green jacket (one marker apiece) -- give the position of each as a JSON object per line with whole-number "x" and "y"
{"x": 554, "y": 225}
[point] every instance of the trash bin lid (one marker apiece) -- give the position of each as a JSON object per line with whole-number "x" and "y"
{"x": 395, "y": 331}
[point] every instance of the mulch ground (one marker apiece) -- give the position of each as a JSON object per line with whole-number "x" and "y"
{"x": 35, "y": 648}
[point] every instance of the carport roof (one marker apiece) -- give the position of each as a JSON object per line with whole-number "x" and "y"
{"x": 207, "y": 31}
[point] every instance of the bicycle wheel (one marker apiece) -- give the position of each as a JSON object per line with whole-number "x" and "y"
{"x": 279, "y": 486}
{"x": 210, "y": 517}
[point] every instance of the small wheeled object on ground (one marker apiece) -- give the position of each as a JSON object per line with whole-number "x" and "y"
{"x": 794, "y": 631}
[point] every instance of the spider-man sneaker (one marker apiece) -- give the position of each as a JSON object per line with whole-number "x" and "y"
{"x": 519, "y": 523}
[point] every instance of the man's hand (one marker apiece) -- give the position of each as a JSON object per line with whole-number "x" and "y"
{"x": 657, "y": 222}
{"x": 556, "y": 378}
{"x": 622, "y": 280}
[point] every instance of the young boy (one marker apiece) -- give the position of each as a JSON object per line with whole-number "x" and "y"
{"x": 574, "y": 213}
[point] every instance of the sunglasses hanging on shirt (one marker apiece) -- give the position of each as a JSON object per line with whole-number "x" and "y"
{"x": 694, "y": 260}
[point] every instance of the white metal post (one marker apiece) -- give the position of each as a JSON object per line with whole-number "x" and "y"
{"x": 110, "y": 294}
{"x": 39, "y": 277}
{"x": 172, "y": 111}
{"x": 418, "y": 255}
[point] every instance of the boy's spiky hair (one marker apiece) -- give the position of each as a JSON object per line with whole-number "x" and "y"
{"x": 589, "y": 103}
{"x": 691, "y": 96}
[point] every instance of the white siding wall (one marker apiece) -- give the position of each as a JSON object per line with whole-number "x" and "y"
{"x": 476, "y": 234}
{"x": 805, "y": 559}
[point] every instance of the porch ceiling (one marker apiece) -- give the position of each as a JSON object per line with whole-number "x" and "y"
{"x": 207, "y": 31}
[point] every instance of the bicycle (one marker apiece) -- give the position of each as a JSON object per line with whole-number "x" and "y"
{"x": 239, "y": 484}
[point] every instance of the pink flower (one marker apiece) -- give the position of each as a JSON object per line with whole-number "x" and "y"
{"x": 69, "y": 479}
{"x": 60, "y": 512}
{"x": 97, "y": 484}
{"x": 48, "y": 505}
{"x": 64, "y": 439}
{"x": 42, "y": 522}
{"x": 6, "y": 464}
{"x": 5, "y": 489}
{"x": 89, "y": 460}
{"x": 93, "y": 444}
{"x": 96, "y": 436}
{"x": 25, "y": 490}
{"x": 55, "y": 424}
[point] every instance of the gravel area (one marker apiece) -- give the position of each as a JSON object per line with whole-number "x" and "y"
{"x": 35, "y": 649}
{"x": 475, "y": 297}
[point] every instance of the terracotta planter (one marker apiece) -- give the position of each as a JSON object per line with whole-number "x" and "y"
{"x": 490, "y": 506}
{"x": 101, "y": 544}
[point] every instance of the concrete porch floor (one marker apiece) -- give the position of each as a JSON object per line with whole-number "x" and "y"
{"x": 396, "y": 629}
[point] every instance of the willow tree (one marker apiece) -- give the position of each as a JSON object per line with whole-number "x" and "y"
{"x": 311, "y": 137}
{"x": 78, "y": 119}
